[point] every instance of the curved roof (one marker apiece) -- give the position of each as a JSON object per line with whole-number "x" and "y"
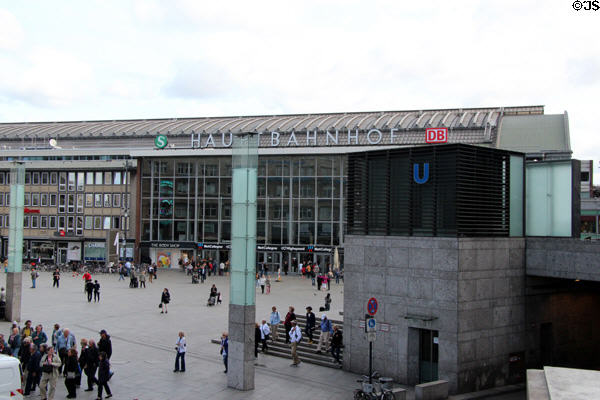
{"x": 463, "y": 119}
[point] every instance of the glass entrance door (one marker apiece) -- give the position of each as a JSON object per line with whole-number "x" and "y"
{"x": 428, "y": 355}
{"x": 62, "y": 256}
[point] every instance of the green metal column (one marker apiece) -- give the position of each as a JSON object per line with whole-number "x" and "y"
{"x": 14, "y": 276}
{"x": 242, "y": 309}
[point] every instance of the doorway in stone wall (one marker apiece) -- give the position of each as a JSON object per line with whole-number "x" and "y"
{"x": 428, "y": 355}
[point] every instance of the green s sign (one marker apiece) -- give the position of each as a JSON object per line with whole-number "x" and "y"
{"x": 160, "y": 141}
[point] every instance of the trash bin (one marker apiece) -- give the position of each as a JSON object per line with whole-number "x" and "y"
{"x": 386, "y": 383}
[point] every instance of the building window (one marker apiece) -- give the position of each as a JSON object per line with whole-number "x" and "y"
{"x": 34, "y": 221}
{"x": 61, "y": 222}
{"x": 97, "y": 222}
{"x": 45, "y": 179}
{"x": 2, "y": 178}
{"x": 117, "y": 200}
{"x": 52, "y": 200}
{"x": 71, "y": 181}
{"x": 79, "y": 225}
{"x": 26, "y": 221}
{"x": 62, "y": 181}
{"x": 35, "y": 199}
{"x": 107, "y": 178}
{"x": 43, "y": 222}
{"x": 1, "y": 199}
{"x": 53, "y": 178}
{"x": 70, "y": 223}
{"x": 71, "y": 203}
{"x": 44, "y": 199}
{"x": 116, "y": 222}
{"x": 35, "y": 178}
{"x": 79, "y": 203}
{"x": 125, "y": 202}
{"x": 106, "y": 225}
{"x": 89, "y": 200}
{"x": 62, "y": 203}
{"x": 52, "y": 222}
{"x": 80, "y": 181}
{"x": 89, "y": 178}
{"x": 89, "y": 222}
{"x": 585, "y": 176}
{"x": 116, "y": 178}
{"x": 27, "y": 200}
{"x": 28, "y": 178}
{"x": 98, "y": 200}
{"x": 98, "y": 178}
{"x": 107, "y": 200}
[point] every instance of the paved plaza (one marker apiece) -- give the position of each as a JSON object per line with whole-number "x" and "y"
{"x": 144, "y": 340}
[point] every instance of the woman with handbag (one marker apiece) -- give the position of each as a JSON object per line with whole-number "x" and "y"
{"x": 165, "y": 298}
{"x": 71, "y": 373}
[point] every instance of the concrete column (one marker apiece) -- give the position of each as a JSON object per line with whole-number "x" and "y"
{"x": 242, "y": 309}
{"x": 14, "y": 276}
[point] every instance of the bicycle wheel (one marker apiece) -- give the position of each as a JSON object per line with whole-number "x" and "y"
{"x": 360, "y": 395}
{"x": 389, "y": 396}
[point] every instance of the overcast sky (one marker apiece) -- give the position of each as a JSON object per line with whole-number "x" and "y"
{"x": 84, "y": 60}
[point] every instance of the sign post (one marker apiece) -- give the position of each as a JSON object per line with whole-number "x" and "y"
{"x": 370, "y": 326}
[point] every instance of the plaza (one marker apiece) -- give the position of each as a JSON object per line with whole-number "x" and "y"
{"x": 143, "y": 339}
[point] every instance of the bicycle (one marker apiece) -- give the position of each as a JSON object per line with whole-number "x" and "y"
{"x": 372, "y": 391}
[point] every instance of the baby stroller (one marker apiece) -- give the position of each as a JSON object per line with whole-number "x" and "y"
{"x": 195, "y": 278}
{"x": 212, "y": 300}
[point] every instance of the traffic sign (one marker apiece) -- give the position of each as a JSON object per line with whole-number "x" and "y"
{"x": 371, "y": 336}
{"x": 371, "y": 325}
{"x": 372, "y": 306}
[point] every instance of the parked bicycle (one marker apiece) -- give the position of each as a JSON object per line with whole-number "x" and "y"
{"x": 374, "y": 390}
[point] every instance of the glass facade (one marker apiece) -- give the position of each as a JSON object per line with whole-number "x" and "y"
{"x": 300, "y": 200}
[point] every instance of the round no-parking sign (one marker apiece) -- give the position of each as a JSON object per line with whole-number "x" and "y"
{"x": 372, "y": 306}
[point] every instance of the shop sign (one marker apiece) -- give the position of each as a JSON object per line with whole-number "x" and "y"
{"x": 169, "y": 245}
{"x": 213, "y": 246}
{"x": 100, "y": 245}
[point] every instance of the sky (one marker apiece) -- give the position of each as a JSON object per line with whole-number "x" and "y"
{"x": 129, "y": 59}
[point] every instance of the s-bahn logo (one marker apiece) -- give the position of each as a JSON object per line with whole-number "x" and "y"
{"x": 436, "y": 135}
{"x": 160, "y": 141}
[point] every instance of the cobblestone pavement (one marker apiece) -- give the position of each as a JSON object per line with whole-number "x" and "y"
{"x": 143, "y": 339}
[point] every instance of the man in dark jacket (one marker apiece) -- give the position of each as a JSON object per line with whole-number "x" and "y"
{"x": 88, "y": 360}
{"x": 105, "y": 344}
{"x": 33, "y": 368}
{"x": 310, "y": 324}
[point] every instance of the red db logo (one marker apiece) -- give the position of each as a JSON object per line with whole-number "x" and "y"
{"x": 436, "y": 135}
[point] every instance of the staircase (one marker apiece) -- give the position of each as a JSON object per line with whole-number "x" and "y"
{"x": 306, "y": 351}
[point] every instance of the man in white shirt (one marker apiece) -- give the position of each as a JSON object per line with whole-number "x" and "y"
{"x": 181, "y": 348}
{"x": 264, "y": 335}
{"x": 295, "y": 338}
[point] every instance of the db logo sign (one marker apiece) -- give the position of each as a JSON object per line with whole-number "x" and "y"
{"x": 436, "y": 135}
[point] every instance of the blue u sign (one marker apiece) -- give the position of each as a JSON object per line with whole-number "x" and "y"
{"x": 416, "y": 174}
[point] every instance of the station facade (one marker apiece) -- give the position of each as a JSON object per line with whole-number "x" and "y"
{"x": 164, "y": 185}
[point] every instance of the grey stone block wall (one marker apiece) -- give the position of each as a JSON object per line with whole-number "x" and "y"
{"x": 469, "y": 290}
{"x": 566, "y": 258}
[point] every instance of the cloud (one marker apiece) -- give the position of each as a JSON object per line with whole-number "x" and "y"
{"x": 11, "y": 32}
{"x": 199, "y": 80}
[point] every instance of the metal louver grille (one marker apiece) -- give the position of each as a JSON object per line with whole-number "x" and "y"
{"x": 467, "y": 192}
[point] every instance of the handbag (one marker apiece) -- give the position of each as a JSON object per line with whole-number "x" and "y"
{"x": 47, "y": 368}
{"x": 72, "y": 375}
{"x": 159, "y": 305}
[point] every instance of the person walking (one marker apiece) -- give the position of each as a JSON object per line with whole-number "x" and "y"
{"x": 262, "y": 281}
{"x": 14, "y": 342}
{"x": 310, "y": 324}
{"x": 274, "y": 320}
{"x": 295, "y": 337}
{"x": 165, "y": 299}
{"x": 181, "y": 348}
{"x": 89, "y": 289}
{"x": 289, "y": 317}
{"x": 33, "y": 369}
{"x": 264, "y": 335}
{"x": 103, "y": 376}
{"x": 105, "y": 344}
{"x": 50, "y": 364}
{"x": 325, "y": 334}
{"x": 71, "y": 371}
{"x": 90, "y": 363}
{"x": 225, "y": 348}
{"x": 150, "y": 273}
{"x": 268, "y": 284}
{"x": 34, "y": 276}
{"x": 121, "y": 272}
{"x": 56, "y": 278}
{"x": 96, "y": 291}
{"x": 336, "y": 344}
{"x": 143, "y": 279}
{"x": 257, "y": 337}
